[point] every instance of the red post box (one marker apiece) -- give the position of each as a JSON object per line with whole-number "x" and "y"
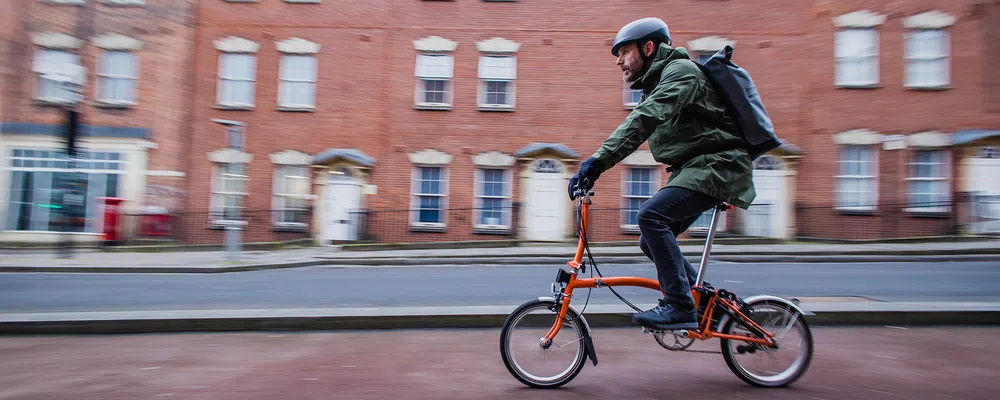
{"x": 112, "y": 214}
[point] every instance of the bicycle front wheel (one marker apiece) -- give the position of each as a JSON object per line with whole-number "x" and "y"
{"x": 526, "y": 354}
{"x": 770, "y": 367}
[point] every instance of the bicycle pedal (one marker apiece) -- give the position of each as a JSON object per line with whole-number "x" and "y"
{"x": 653, "y": 331}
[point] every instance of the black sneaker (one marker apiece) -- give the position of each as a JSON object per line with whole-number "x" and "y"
{"x": 667, "y": 316}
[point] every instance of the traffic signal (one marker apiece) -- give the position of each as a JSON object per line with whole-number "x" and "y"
{"x": 72, "y": 132}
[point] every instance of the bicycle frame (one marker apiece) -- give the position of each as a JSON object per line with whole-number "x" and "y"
{"x": 703, "y": 333}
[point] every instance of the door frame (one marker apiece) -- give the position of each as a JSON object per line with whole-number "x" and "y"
{"x": 327, "y": 228}
{"x": 528, "y": 178}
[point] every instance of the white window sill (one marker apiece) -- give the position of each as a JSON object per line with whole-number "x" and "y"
{"x": 495, "y": 107}
{"x": 433, "y": 106}
{"x": 939, "y": 88}
{"x": 297, "y": 108}
{"x": 427, "y": 227}
{"x": 224, "y": 223}
{"x": 114, "y": 104}
{"x": 53, "y": 102}
{"x": 855, "y": 210}
{"x": 630, "y": 229}
{"x": 630, "y": 106}
{"x": 124, "y": 3}
{"x": 289, "y": 227}
{"x": 234, "y": 106}
{"x": 862, "y": 86}
{"x": 929, "y": 211}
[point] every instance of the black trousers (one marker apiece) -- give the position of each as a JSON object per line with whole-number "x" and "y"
{"x": 661, "y": 218}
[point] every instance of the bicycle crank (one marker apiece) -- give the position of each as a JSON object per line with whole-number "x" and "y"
{"x": 681, "y": 340}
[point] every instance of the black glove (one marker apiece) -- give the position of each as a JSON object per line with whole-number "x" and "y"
{"x": 590, "y": 170}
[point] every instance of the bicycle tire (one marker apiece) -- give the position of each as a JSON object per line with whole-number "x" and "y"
{"x": 523, "y": 376}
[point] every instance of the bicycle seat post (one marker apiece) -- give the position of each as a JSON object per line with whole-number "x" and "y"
{"x": 708, "y": 244}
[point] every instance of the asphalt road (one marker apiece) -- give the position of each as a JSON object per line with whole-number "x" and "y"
{"x": 848, "y": 363}
{"x": 320, "y": 287}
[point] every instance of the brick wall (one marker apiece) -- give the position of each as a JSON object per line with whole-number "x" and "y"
{"x": 165, "y": 29}
{"x": 568, "y": 90}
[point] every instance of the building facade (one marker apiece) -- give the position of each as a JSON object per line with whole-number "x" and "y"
{"x": 419, "y": 120}
{"x": 446, "y": 120}
{"x": 133, "y": 109}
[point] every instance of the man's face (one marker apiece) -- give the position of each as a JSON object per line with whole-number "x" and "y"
{"x": 630, "y": 61}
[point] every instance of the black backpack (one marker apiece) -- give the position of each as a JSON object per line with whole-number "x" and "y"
{"x": 745, "y": 106}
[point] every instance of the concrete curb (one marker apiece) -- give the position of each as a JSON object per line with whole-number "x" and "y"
{"x": 485, "y": 261}
{"x": 909, "y": 314}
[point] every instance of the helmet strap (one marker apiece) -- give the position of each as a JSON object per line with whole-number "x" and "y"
{"x": 646, "y": 59}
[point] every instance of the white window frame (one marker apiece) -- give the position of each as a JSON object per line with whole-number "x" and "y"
{"x": 506, "y": 199}
{"x": 223, "y": 79}
{"x": 944, "y": 58}
{"x": 425, "y": 72}
{"x": 654, "y": 182}
{"x": 283, "y": 81}
{"x": 874, "y": 58}
{"x": 64, "y": 95}
{"x": 278, "y": 199}
{"x": 217, "y": 199}
{"x": 485, "y": 76}
{"x": 872, "y": 178}
{"x": 944, "y": 177}
{"x": 104, "y": 77}
{"x": 416, "y": 194}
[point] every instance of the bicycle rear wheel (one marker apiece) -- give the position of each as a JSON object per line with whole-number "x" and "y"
{"x": 769, "y": 367}
{"x": 528, "y": 359}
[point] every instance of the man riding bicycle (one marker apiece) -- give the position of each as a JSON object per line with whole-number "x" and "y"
{"x": 684, "y": 119}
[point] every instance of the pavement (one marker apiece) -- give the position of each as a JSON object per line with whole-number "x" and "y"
{"x": 96, "y": 261}
{"x": 849, "y": 363}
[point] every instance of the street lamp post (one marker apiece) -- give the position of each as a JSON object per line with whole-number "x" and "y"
{"x": 72, "y": 79}
{"x": 234, "y": 140}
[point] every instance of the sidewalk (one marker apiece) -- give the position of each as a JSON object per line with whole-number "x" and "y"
{"x": 825, "y": 311}
{"x": 95, "y": 261}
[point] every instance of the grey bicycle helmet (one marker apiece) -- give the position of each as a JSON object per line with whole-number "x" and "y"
{"x": 640, "y": 30}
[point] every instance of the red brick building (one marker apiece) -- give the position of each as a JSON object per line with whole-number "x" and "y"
{"x": 419, "y": 120}
{"x": 460, "y": 120}
{"x": 134, "y": 107}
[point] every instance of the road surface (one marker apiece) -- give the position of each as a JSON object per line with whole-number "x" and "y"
{"x": 323, "y": 287}
{"x": 849, "y": 363}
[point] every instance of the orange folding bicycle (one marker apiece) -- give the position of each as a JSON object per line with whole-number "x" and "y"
{"x": 755, "y": 332}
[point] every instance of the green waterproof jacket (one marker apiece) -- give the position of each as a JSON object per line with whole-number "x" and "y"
{"x": 683, "y": 118}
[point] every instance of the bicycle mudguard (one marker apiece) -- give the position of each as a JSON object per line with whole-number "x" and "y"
{"x": 588, "y": 342}
{"x": 762, "y": 297}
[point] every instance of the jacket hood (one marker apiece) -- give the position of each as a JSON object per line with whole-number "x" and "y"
{"x": 664, "y": 55}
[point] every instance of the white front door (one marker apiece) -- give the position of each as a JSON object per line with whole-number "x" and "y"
{"x": 343, "y": 201}
{"x": 768, "y": 215}
{"x": 985, "y": 188}
{"x": 546, "y": 201}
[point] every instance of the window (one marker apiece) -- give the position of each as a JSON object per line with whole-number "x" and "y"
{"x": 497, "y": 75}
{"x": 429, "y": 194}
{"x": 638, "y": 188}
{"x": 856, "y": 188}
{"x": 493, "y": 203}
{"x": 632, "y": 96}
{"x": 928, "y": 181}
{"x": 857, "y": 57}
{"x": 298, "y": 81}
{"x": 228, "y": 193}
{"x": 703, "y": 56}
{"x": 927, "y": 58}
{"x": 45, "y": 193}
{"x": 434, "y": 73}
{"x": 118, "y": 75}
{"x": 52, "y": 61}
{"x": 237, "y": 74}
{"x": 291, "y": 190}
